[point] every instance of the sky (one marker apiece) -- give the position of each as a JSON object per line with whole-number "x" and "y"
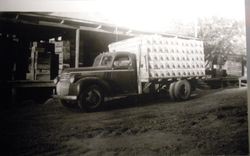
{"x": 147, "y": 15}
{"x": 169, "y": 8}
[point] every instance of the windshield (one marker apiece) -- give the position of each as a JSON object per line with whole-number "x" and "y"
{"x": 103, "y": 60}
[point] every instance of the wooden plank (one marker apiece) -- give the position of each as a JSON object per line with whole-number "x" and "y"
{"x": 38, "y": 85}
{"x": 30, "y": 84}
{"x": 53, "y": 24}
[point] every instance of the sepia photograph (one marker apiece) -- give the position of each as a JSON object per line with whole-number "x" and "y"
{"x": 116, "y": 77}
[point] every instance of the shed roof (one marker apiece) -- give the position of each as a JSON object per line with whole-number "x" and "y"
{"x": 68, "y": 21}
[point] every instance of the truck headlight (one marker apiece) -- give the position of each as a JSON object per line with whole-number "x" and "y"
{"x": 72, "y": 79}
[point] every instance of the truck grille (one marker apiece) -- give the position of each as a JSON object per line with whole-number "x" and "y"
{"x": 65, "y": 76}
{"x": 62, "y": 88}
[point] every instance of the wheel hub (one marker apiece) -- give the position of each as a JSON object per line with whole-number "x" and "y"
{"x": 93, "y": 97}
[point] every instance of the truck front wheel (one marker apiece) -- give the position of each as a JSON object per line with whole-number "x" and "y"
{"x": 91, "y": 98}
{"x": 64, "y": 103}
{"x": 182, "y": 90}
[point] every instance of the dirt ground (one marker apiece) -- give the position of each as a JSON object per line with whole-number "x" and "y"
{"x": 212, "y": 122}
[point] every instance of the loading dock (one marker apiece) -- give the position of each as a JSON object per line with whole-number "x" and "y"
{"x": 20, "y": 30}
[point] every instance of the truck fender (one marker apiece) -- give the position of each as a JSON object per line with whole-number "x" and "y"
{"x": 83, "y": 82}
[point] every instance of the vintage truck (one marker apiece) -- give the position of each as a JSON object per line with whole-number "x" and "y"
{"x": 139, "y": 65}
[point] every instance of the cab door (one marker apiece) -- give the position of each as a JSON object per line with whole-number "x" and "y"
{"x": 123, "y": 75}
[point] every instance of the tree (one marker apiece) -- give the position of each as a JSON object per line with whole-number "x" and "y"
{"x": 222, "y": 37}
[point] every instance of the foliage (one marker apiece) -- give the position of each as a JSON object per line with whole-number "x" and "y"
{"x": 222, "y": 37}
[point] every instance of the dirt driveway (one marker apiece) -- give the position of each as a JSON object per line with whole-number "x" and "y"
{"x": 212, "y": 122}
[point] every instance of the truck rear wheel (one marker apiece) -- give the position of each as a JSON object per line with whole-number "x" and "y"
{"x": 182, "y": 90}
{"x": 171, "y": 91}
{"x": 91, "y": 98}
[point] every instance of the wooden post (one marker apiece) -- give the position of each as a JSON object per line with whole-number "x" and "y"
{"x": 138, "y": 63}
{"x": 247, "y": 19}
{"x": 239, "y": 82}
{"x": 77, "y": 48}
{"x": 34, "y": 55}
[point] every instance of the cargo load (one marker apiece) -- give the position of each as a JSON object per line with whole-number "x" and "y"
{"x": 164, "y": 57}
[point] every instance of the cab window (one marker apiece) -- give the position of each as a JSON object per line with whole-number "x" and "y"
{"x": 122, "y": 61}
{"x": 97, "y": 60}
{"x": 106, "y": 60}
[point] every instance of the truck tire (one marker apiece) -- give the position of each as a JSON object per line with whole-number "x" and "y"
{"x": 172, "y": 91}
{"x": 91, "y": 98}
{"x": 182, "y": 90}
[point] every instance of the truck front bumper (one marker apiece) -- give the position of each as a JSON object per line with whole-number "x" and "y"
{"x": 65, "y": 97}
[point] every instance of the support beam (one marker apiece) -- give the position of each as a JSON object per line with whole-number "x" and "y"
{"x": 77, "y": 48}
{"x": 99, "y": 27}
{"x": 53, "y": 24}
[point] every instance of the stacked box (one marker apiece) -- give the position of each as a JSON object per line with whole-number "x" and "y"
{"x": 62, "y": 48}
{"x": 42, "y": 62}
{"x": 233, "y": 68}
{"x": 164, "y": 57}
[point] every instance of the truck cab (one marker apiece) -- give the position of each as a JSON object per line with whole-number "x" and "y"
{"x": 112, "y": 74}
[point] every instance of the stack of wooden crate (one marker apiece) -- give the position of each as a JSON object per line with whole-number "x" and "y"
{"x": 43, "y": 66}
{"x": 234, "y": 65}
{"x": 47, "y": 60}
{"x": 40, "y": 62}
{"x": 62, "y": 48}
